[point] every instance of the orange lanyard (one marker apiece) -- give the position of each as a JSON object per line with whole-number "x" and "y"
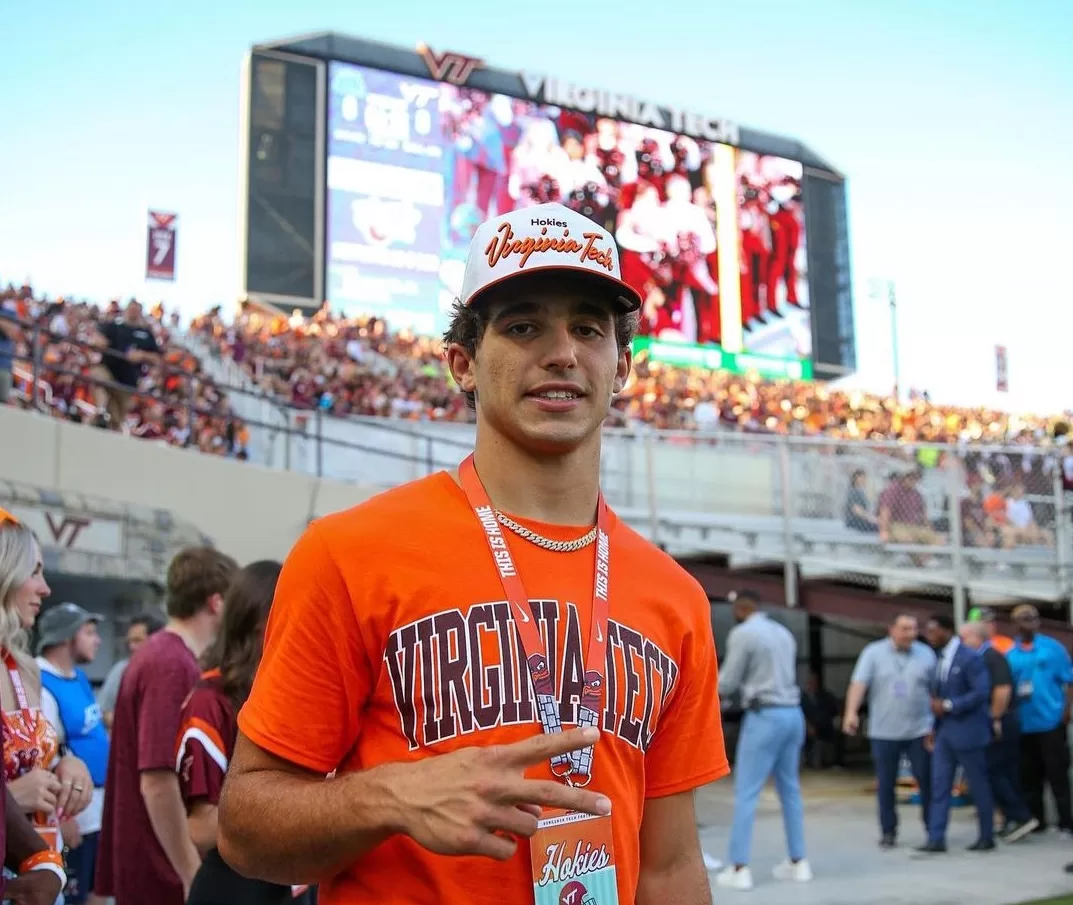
{"x": 578, "y": 763}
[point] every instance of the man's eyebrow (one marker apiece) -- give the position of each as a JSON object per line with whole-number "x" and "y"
{"x": 514, "y": 309}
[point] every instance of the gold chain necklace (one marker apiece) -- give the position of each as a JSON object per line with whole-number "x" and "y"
{"x": 555, "y": 546}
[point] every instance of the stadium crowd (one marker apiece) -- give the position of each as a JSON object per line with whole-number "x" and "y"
{"x": 88, "y": 370}
{"x": 358, "y": 366}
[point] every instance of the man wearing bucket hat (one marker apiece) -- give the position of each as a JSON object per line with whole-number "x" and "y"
{"x": 67, "y": 640}
{"x": 479, "y": 563}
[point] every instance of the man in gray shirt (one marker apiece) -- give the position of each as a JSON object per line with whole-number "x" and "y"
{"x": 761, "y": 666}
{"x": 896, "y": 674}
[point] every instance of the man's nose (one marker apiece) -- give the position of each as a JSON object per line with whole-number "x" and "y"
{"x": 561, "y": 347}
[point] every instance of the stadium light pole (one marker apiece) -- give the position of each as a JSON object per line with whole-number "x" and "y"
{"x": 877, "y": 289}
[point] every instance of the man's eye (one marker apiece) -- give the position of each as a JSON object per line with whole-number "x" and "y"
{"x": 589, "y": 331}
{"x": 519, "y": 329}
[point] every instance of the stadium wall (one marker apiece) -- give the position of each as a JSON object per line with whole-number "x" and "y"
{"x": 249, "y": 511}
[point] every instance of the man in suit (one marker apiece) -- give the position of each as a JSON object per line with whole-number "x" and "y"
{"x": 960, "y": 701}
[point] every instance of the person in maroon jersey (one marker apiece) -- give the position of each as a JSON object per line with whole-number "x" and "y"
{"x": 145, "y": 852}
{"x": 209, "y": 728}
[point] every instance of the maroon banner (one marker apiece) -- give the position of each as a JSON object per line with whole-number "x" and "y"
{"x": 1002, "y": 369}
{"x": 160, "y": 246}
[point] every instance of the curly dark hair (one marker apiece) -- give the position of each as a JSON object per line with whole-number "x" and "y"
{"x": 237, "y": 650}
{"x": 469, "y": 323}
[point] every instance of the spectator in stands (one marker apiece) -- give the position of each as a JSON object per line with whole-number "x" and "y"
{"x": 67, "y": 640}
{"x": 209, "y": 729}
{"x": 146, "y": 854}
{"x": 858, "y": 513}
{"x": 1042, "y": 675}
{"x": 978, "y": 529}
{"x": 903, "y": 514}
{"x": 896, "y": 673}
{"x": 138, "y": 632}
{"x": 9, "y": 336}
{"x": 129, "y": 347}
{"x": 1023, "y": 521}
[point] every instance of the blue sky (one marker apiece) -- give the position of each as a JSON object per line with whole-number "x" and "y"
{"x": 952, "y": 119}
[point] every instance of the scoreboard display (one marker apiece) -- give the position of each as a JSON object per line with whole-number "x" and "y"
{"x": 714, "y": 229}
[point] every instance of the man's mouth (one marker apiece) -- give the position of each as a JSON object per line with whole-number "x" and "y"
{"x": 557, "y": 394}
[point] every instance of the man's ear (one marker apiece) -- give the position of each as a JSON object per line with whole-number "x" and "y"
{"x": 461, "y": 365}
{"x": 622, "y": 373}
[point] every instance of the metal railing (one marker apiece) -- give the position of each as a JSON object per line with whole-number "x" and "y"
{"x": 978, "y": 525}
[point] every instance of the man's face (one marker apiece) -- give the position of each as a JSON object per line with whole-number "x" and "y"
{"x": 133, "y": 313}
{"x": 546, "y": 369}
{"x": 136, "y": 636}
{"x": 87, "y": 641}
{"x": 937, "y": 635}
{"x": 1027, "y": 626}
{"x": 904, "y": 632}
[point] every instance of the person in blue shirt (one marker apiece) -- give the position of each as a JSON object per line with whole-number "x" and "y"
{"x": 68, "y": 639}
{"x": 1042, "y": 675}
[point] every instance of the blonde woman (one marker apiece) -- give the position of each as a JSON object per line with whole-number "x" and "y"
{"x": 47, "y": 784}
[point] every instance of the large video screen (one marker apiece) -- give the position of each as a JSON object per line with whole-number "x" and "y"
{"x": 414, "y": 166}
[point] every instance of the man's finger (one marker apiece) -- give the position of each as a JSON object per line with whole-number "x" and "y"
{"x": 550, "y": 794}
{"x": 547, "y": 745}
{"x": 519, "y": 821}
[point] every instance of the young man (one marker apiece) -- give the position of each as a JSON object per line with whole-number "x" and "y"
{"x": 431, "y": 646}
{"x": 67, "y": 639}
{"x": 146, "y": 854}
{"x": 761, "y": 666}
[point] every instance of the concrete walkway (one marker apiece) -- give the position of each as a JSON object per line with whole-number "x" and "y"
{"x": 850, "y": 868}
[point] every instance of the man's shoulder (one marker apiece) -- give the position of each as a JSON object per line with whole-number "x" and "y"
{"x": 399, "y": 512}
{"x": 645, "y": 556}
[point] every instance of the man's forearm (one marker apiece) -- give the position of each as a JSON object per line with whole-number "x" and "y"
{"x": 854, "y": 698}
{"x": 164, "y": 804}
{"x": 683, "y": 884}
{"x": 288, "y": 828}
{"x": 1000, "y": 701}
{"x": 22, "y": 839}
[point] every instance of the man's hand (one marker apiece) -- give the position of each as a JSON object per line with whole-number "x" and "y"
{"x": 36, "y": 792}
{"x": 937, "y": 707}
{"x": 929, "y": 742}
{"x": 37, "y": 887}
{"x": 851, "y": 723}
{"x": 473, "y": 801}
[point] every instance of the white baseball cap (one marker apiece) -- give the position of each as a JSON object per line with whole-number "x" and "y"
{"x": 543, "y": 239}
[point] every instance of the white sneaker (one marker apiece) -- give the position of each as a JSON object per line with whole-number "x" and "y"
{"x": 796, "y": 873}
{"x": 711, "y": 864}
{"x": 729, "y": 878}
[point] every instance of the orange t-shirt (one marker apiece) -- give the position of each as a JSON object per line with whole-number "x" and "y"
{"x": 386, "y": 643}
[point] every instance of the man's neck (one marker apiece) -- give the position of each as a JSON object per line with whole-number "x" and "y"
{"x": 558, "y": 489}
{"x": 196, "y": 633}
{"x": 60, "y": 657}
